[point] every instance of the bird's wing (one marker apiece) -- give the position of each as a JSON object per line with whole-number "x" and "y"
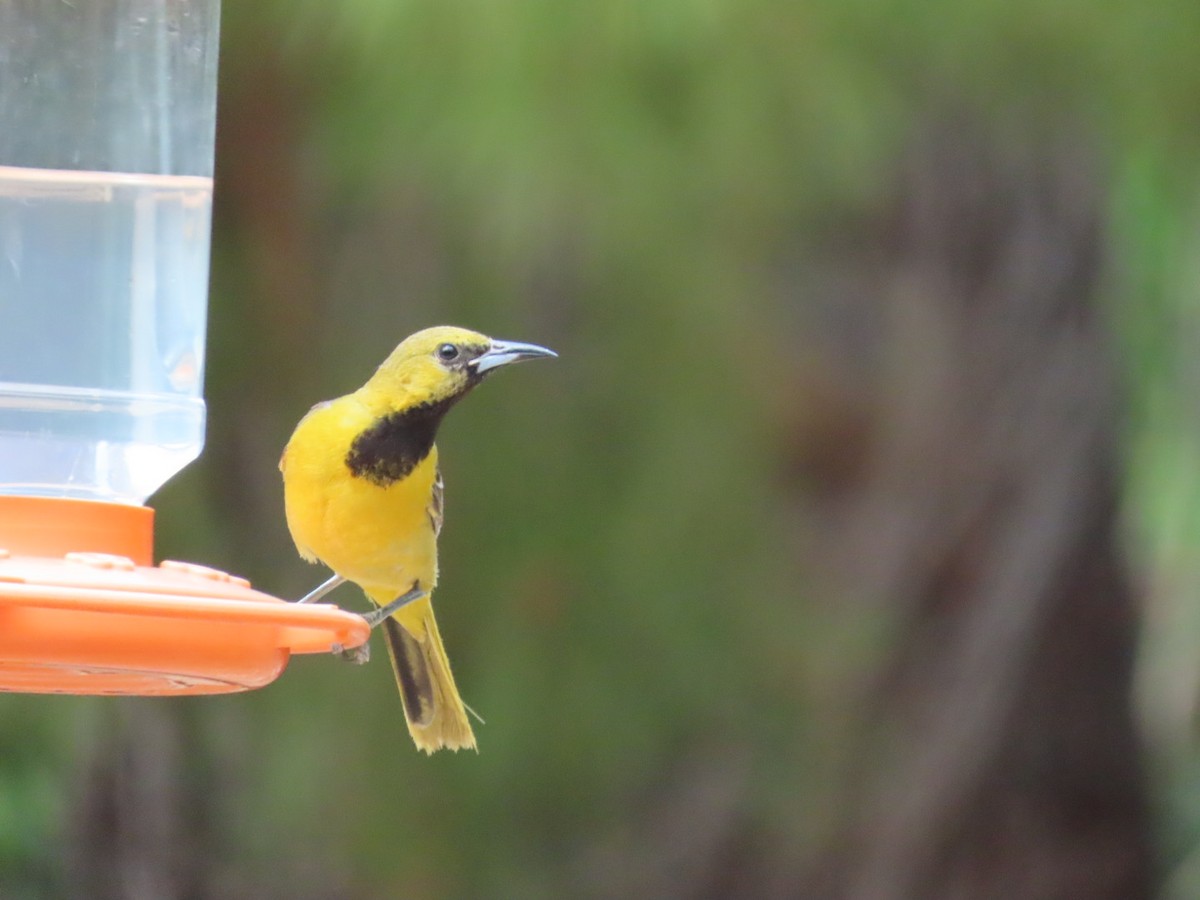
{"x": 436, "y": 510}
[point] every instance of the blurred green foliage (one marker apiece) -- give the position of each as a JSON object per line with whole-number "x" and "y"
{"x": 620, "y": 595}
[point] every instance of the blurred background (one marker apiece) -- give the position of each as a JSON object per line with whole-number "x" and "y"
{"x": 850, "y": 549}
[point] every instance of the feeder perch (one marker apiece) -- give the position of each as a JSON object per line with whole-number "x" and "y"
{"x": 83, "y": 611}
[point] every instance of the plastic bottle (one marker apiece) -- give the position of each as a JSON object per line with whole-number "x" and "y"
{"x": 106, "y": 147}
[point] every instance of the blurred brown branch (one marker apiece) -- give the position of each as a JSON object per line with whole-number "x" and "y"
{"x": 997, "y": 756}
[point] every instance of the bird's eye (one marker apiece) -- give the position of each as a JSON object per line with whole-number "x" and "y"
{"x": 447, "y": 352}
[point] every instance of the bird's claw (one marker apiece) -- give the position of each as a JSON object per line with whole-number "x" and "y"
{"x": 359, "y": 655}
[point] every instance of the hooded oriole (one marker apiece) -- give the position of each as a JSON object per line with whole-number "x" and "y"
{"x": 363, "y": 495}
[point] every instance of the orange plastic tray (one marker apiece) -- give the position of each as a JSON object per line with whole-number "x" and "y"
{"x": 97, "y": 618}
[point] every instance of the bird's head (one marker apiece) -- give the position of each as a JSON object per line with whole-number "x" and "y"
{"x": 438, "y": 365}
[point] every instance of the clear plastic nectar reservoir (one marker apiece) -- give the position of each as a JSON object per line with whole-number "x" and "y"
{"x": 103, "y": 292}
{"x": 107, "y": 117}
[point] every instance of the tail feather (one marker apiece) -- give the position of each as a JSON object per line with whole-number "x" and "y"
{"x": 416, "y": 690}
{"x": 435, "y": 713}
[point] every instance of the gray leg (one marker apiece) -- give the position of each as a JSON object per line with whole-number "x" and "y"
{"x": 378, "y": 615}
{"x": 317, "y": 593}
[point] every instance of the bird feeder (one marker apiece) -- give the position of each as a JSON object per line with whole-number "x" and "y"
{"x": 107, "y": 116}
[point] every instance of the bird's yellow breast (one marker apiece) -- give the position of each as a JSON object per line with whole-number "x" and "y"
{"x": 378, "y": 535}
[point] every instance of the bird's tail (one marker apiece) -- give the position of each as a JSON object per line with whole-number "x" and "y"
{"x": 435, "y": 712}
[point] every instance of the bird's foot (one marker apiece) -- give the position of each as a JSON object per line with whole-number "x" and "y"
{"x": 359, "y": 655}
{"x": 375, "y": 616}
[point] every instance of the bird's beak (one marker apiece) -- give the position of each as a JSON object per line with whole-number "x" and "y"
{"x": 501, "y": 353}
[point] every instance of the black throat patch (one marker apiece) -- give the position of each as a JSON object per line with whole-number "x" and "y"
{"x": 396, "y": 443}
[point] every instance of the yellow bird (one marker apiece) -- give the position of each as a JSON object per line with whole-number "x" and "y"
{"x": 363, "y": 495}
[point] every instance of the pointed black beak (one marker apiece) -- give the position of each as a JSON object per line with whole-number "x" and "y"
{"x": 501, "y": 353}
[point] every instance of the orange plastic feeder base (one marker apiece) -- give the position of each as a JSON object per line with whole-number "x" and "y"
{"x": 83, "y": 610}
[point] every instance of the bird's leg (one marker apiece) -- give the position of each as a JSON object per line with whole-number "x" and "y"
{"x": 375, "y": 616}
{"x": 318, "y": 592}
{"x": 362, "y": 653}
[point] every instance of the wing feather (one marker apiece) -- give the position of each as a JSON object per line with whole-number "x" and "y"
{"x": 436, "y": 508}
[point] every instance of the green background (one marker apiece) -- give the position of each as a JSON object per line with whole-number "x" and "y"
{"x": 640, "y": 186}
